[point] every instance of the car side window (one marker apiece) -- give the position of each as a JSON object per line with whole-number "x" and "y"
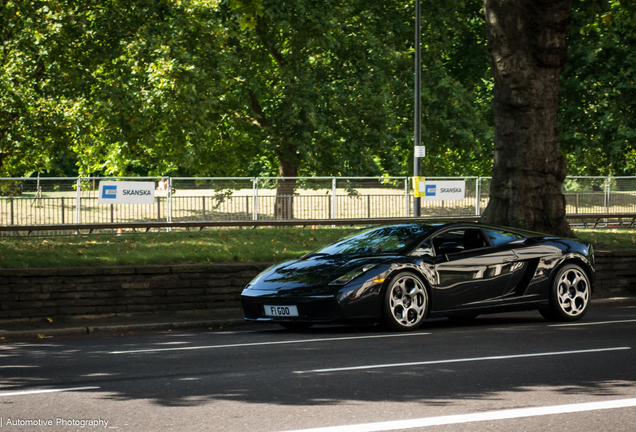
{"x": 498, "y": 237}
{"x": 458, "y": 241}
{"x": 425, "y": 249}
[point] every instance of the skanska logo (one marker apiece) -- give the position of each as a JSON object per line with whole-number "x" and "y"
{"x": 109, "y": 192}
{"x": 139, "y": 192}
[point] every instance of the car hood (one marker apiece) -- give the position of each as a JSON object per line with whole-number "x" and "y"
{"x": 315, "y": 271}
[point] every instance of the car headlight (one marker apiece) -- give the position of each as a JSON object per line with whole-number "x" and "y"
{"x": 348, "y": 277}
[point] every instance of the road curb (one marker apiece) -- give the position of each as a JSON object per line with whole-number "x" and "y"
{"x": 198, "y": 324}
{"x": 613, "y": 301}
{"x": 120, "y": 328}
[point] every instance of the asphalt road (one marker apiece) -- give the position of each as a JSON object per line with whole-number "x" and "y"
{"x": 498, "y": 373}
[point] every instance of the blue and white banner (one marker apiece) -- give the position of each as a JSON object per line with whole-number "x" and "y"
{"x": 121, "y": 192}
{"x": 443, "y": 190}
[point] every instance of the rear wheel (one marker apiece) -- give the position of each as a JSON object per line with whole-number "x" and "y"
{"x": 570, "y": 294}
{"x": 405, "y": 302}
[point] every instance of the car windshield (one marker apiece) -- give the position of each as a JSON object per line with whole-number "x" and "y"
{"x": 385, "y": 239}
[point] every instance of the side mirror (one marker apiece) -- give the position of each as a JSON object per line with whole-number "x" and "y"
{"x": 451, "y": 247}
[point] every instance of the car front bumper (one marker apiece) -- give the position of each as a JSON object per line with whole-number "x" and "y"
{"x": 311, "y": 309}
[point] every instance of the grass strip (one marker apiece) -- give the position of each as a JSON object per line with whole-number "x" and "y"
{"x": 608, "y": 239}
{"x": 208, "y": 246}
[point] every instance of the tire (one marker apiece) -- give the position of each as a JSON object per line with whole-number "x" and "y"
{"x": 296, "y": 326}
{"x": 405, "y": 302}
{"x": 569, "y": 295}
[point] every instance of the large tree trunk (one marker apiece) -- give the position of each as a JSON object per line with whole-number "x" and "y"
{"x": 287, "y": 167}
{"x": 528, "y": 51}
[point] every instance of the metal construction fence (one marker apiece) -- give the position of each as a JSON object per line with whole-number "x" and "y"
{"x": 59, "y": 201}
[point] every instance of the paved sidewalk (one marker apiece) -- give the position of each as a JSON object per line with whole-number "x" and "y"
{"x": 166, "y": 321}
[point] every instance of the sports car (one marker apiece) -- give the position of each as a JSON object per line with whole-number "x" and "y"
{"x": 401, "y": 274}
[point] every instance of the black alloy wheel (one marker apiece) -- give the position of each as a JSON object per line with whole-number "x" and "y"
{"x": 570, "y": 294}
{"x": 405, "y": 302}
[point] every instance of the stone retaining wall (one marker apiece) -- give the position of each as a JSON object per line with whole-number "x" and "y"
{"x": 47, "y": 292}
{"x": 615, "y": 274}
{"x": 39, "y": 293}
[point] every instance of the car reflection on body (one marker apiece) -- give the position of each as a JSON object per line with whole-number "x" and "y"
{"x": 401, "y": 274}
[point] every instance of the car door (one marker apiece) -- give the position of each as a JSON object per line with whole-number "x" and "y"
{"x": 524, "y": 272}
{"x": 470, "y": 273}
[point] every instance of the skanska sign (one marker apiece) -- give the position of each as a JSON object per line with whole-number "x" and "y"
{"x": 121, "y": 192}
{"x": 444, "y": 190}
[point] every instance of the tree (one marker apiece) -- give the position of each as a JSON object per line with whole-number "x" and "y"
{"x": 329, "y": 85}
{"x": 36, "y": 116}
{"x": 317, "y": 80}
{"x": 528, "y": 50}
{"x": 598, "y": 96}
{"x": 258, "y": 87}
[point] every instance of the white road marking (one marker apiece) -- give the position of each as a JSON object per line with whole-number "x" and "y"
{"x": 482, "y": 416}
{"x": 28, "y": 392}
{"x": 592, "y": 323}
{"x": 474, "y": 359}
{"x": 268, "y": 343}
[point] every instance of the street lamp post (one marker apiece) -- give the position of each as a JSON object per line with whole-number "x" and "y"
{"x": 418, "y": 108}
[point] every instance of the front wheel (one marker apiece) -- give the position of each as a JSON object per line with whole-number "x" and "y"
{"x": 570, "y": 294}
{"x": 405, "y": 302}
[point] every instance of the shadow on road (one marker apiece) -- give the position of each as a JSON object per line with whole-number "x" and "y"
{"x": 248, "y": 370}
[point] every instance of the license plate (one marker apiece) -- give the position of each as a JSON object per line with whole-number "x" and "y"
{"x": 281, "y": 311}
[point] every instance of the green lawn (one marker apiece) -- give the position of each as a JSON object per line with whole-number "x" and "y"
{"x": 208, "y": 246}
{"x": 604, "y": 239}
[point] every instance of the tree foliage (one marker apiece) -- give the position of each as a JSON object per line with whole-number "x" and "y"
{"x": 264, "y": 87}
{"x": 598, "y": 98}
{"x": 36, "y": 113}
{"x": 239, "y": 87}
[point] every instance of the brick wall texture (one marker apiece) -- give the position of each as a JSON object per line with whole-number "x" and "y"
{"x": 615, "y": 274}
{"x": 38, "y": 293}
{"x": 35, "y": 293}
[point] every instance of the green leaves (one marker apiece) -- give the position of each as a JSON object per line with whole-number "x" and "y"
{"x": 201, "y": 87}
{"x": 598, "y": 112}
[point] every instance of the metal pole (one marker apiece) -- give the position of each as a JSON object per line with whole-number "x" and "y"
{"x": 169, "y": 203}
{"x": 406, "y": 197}
{"x": 78, "y": 201}
{"x": 333, "y": 198}
{"x": 607, "y": 193}
{"x": 478, "y": 197}
{"x": 418, "y": 107}
{"x": 255, "y": 198}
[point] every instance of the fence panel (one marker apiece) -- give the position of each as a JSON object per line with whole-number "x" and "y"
{"x": 56, "y": 201}
{"x": 466, "y": 207}
{"x": 94, "y": 212}
{"x": 585, "y": 195}
{"x": 622, "y": 195}
{"x": 304, "y": 198}
{"x": 212, "y": 199}
{"x": 33, "y": 201}
{"x": 364, "y": 197}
